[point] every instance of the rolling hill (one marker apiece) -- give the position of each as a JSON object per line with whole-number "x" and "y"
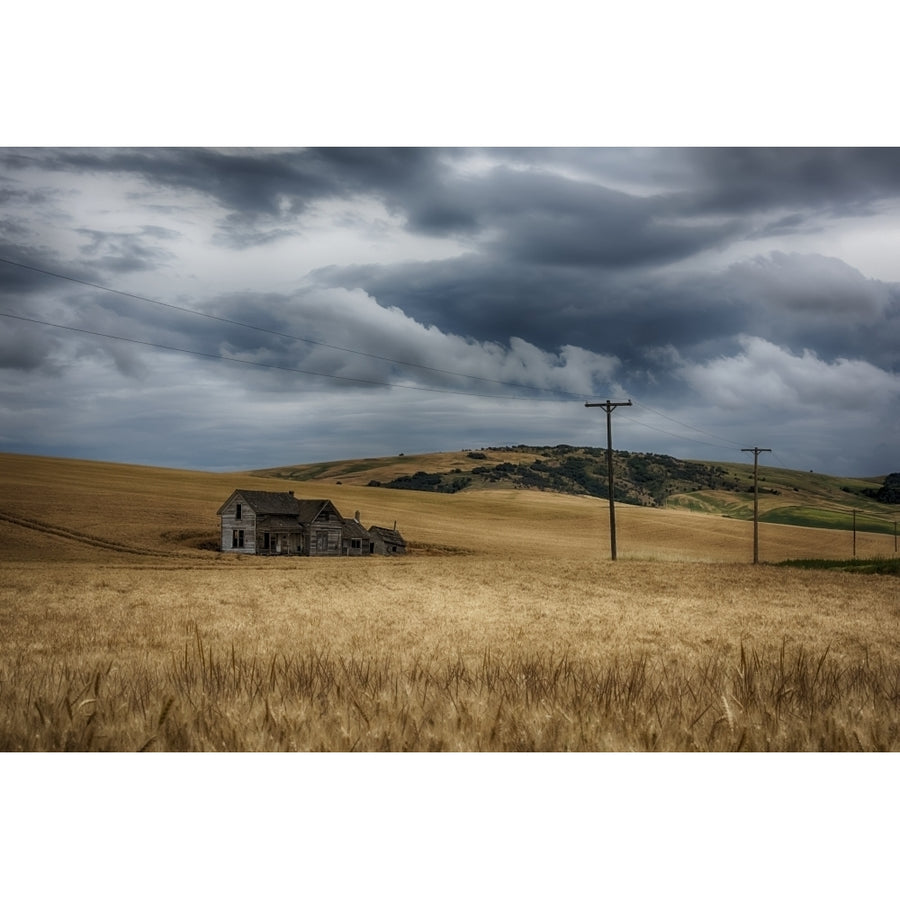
{"x": 786, "y": 496}
{"x": 62, "y": 509}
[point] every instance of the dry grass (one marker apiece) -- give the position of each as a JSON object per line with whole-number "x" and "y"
{"x": 517, "y": 635}
{"x": 452, "y": 654}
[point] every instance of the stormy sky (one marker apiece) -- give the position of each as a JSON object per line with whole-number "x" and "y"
{"x": 241, "y": 308}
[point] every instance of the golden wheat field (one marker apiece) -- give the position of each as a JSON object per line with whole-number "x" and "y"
{"x": 505, "y": 628}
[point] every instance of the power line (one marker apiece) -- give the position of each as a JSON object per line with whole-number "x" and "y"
{"x": 294, "y": 370}
{"x": 246, "y": 362}
{"x": 682, "y": 437}
{"x": 293, "y": 337}
{"x": 374, "y": 382}
{"x": 780, "y": 461}
{"x": 686, "y": 425}
{"x": 557, "y": 393}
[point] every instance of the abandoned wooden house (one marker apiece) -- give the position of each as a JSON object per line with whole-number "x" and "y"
{"x": 267, "y": 523}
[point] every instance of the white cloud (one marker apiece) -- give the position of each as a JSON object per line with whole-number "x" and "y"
{"x": 766, "y": 375}
{"x": 384, "y": 338}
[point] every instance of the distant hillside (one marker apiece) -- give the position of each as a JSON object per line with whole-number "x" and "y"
{"x": 643, "y": 479}
{"x": 107, "y": 513}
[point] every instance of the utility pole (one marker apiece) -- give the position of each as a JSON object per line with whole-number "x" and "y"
{"x": 755, "y": 451}
{"x": 854, "y": 534}
{"x": 609, "y": 406}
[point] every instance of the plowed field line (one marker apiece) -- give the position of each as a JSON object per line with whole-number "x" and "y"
{"x": 78, "y": 536}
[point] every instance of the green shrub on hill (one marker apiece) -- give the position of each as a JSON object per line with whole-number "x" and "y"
{"x": 889, "y": 492}
{"x": 644, "y": 479}
{"x": 425, "y": 481}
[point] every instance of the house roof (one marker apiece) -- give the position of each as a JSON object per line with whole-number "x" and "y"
{"x": 388, "y": 534}
{"x": 280, "y": 503}
{"x": 265, "y": 502}
{"x": 352, "y": 529}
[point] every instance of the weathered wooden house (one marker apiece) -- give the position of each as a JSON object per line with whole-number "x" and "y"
{"x": 387, "y": 541}
{"x": 278, "y": 524}
{"x": 267, "y": 523}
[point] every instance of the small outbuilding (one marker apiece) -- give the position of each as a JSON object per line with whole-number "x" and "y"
{"x": 387, "y": 541}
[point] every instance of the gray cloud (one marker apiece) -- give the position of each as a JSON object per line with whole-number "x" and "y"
{"x": 277, "y": 184}
{"x": 711, "y": 284}
{"x": 23, "y": 347}
{"x": 846, "y": 181}
{"x": 810, "y": 301}
{"x": 117, "y": 252}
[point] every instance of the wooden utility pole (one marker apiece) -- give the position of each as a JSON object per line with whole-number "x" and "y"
{"x": 755, "y": 451}
{"x": 609, "y": 406}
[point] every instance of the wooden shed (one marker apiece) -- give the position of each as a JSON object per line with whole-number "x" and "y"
{"x": 269, "y": 523}
{"x": 387, "y": 541}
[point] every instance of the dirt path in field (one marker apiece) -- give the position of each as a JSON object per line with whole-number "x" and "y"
{"x": 76, "y": 536}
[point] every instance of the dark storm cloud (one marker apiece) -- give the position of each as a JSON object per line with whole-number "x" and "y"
{"x": 799, "y": 301}
{"x": 553, "y": 255}
{"x": 119, "y": 252}
{"x": 536, "y": 215}
{"x": 251, "y": 182}
{"x": 28, "y": 269}
{"x": 435, "y": 197}
{"x": 554, "y": 220}
{"x": 15, "y": 230}
{"x": 15, "y": 280}
{"x": 10, "y": 192}
{"x": 474, "y": 295}
{"x": 24, "y": 347}
{"x": 811, "y": 301}
{"x": 664, "y": 272}
{"x": 795, "y": 223}
{"x": 742, "y": 180}
{"x": 604, "y": 312}
{"x": 264, "y": 194}
{"x": 241, "y": 232}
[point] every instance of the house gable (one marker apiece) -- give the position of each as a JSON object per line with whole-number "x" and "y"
{"x": 322, "y": 525}
{"x": 320, "y": 512}
{"x": 263, "y": 502}
{"x": 260, "y": 522}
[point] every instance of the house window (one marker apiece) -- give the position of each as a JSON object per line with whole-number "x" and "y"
{"x": 237, "y": 538}
{"x": 265, "y": 540}
{"x": 237, "y": 511}
{"x": 355, "y": 543}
